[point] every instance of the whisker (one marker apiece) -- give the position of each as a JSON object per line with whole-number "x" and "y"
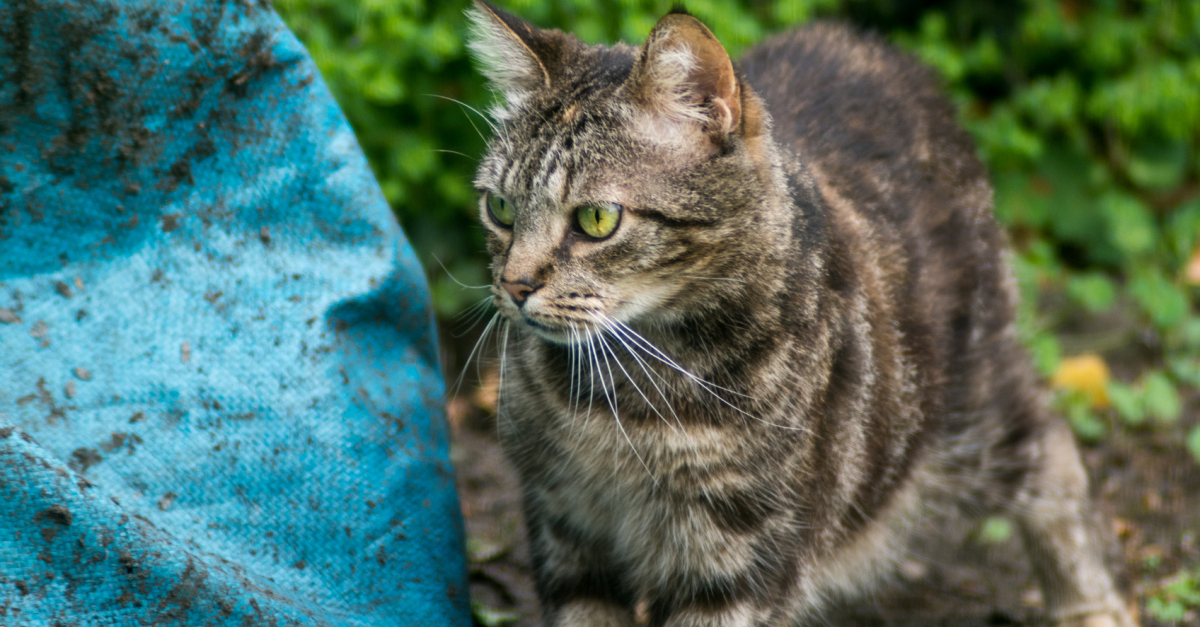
{"x": 658, "y": 354}
{"x": 476, "y": 111}
{"x": 572, "y": 393}
{"x": 613, "y": 402}
{"x": 470, "y": 356}
{"x": 500, "y": 376}
{"x": 455, "y": 152}
{"x": 707, "y": 386}
{"x": 635, "y": 385}
{"x": 477, "y": 311}
{"x": 650, "y": 373}
{"x": 455, "y": 279}
{"x": 700, "y": 277}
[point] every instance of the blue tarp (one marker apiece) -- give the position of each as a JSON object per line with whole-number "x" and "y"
{"x": 220, "y": 401}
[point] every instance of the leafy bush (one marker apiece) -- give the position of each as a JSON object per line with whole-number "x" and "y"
{"x": 1087, "y": 113}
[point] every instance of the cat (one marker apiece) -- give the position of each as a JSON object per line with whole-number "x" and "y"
{"x": 754, "y": 322}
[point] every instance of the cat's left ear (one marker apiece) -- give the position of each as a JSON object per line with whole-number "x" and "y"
{"x": 684, "y": 73}
{"x": 515, "y": 56}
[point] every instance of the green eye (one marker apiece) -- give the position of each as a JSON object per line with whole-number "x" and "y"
{"x": 598, "y": 220}
{"x": 500, "y": 209}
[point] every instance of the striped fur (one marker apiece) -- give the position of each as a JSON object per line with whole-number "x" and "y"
{"x": 799, "y": 337}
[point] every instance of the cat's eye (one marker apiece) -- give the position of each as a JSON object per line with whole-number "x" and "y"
{"x": 598, "y": 220}
{"x": 500, "y": 209}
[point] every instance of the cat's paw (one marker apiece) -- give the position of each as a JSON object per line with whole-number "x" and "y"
{"x": 1110, "y": 618}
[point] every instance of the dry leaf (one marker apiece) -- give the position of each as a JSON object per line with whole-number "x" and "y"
{"x": 1191, "y": 273}
{"x": 488, "y": 392}
{"x": 1086, "y": 373}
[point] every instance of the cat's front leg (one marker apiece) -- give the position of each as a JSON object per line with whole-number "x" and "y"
{"x": 740, "y": 614}
{"x": 577, "y": 582}
{"x": 583, "y": 612}
{"x": 755, "y": 594}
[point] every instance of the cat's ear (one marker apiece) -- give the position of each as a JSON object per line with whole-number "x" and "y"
{"x": 684, "y": 73}
{"x": 512, "y": 53}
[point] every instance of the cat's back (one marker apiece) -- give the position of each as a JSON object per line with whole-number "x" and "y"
{"x": 908, "y": 201}
{"x": 856, "y": 107}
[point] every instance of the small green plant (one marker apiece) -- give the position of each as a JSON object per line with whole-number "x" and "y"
{"x": 1177, "y": 599}
{"x": 1155, "y": 398}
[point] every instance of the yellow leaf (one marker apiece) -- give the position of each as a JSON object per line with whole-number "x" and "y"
{"x": 1192, "y": 272}
{"x": 1087, "y": 374}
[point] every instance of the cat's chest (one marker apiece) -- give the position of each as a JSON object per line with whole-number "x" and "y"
{"x": 587, "y": 462}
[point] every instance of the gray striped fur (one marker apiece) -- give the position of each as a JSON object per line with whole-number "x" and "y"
{"x": 798, "y": 339}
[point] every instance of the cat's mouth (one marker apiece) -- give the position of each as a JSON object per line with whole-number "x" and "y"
{"x": 558, "y": 332}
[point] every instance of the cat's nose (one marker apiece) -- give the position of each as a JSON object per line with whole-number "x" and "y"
{"x": 519, "y": 290}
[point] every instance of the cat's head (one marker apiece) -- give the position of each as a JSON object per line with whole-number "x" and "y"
{"x": 621, "y": 184}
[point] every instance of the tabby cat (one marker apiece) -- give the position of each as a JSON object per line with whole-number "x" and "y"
{"x": 754, "y": 320}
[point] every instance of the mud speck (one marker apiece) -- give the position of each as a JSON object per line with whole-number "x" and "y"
{"x": 167, "y": 499}
{"x": 63, "y": 289}
{"x": 82, "y": 374}
{"x": 83, "y": 458}
{"x": 56, "y": 514}
{"x": 259, "y": 60}
{"x": 170, "y": 222}
{"x": 69, "y": 389}
{"x": 8, "y": 316}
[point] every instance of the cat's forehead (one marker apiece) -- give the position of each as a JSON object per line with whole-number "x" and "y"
{"x": 582, "y": 144}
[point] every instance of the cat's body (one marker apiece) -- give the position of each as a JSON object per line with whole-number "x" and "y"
{"x": 796, "y": 334}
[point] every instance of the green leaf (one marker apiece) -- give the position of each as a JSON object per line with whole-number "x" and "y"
{"x": 1086, "y": 425}
{"x": 1181, "y": 232}
{"x": 1128, "y": 402}
{"x": 492, "y": 617}
{"x": 1161, "y": 400}
{"x": 995, "y": 529}
{"x": 1190, "y": 333}
{"x": 1166, "y": 611}
{"x": 1159, "y": 164}
{"x": 1186, "y": 369}
{"x": 1130, "y": 224}
{"x": 1094, "y": 291}
{"x": 1046, "y": 353}
{"x": 1159, "y": 298}
{"x": 1193, "y": 443}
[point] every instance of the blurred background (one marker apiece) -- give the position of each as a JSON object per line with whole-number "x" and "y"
{"x": 1087, "y": 113}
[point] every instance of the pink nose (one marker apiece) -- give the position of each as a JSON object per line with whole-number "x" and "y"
{"x": 518, "y": 290}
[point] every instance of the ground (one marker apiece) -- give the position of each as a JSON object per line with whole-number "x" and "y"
{"x": 1146, "y": 485}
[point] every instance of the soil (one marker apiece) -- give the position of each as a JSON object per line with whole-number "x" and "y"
{"x": 1145, "y": 483}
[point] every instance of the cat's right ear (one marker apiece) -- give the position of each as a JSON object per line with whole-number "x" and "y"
{"x": 684, "y": 74}
{"x": 513, "y": 54}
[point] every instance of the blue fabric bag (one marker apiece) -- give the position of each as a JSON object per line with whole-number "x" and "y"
{"x": 220, "y": 401}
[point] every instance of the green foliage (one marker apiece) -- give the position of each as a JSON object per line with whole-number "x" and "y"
{"x": 1155, "y": 398}
{"x": 1088, "y": 427}
{"x": 1087, "y": 114}
{"x": 1172, "y": 602}
{"x": 1193, "y": 443}
{"x": 994, "y": 530}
